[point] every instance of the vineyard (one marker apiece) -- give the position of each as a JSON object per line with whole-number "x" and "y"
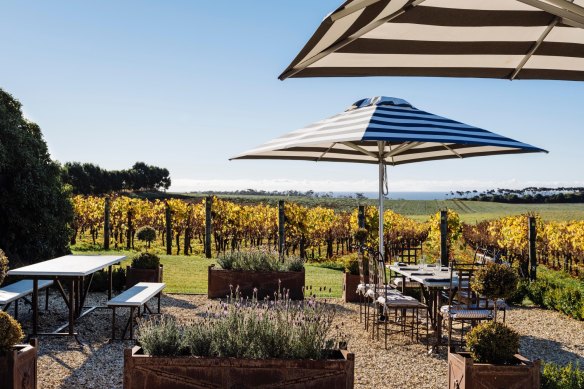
{"x": 316, "y": 233}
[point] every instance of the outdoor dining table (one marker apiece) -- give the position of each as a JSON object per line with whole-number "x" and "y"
{"x": 432, "y": 279}
{"x": 77, "y": 272}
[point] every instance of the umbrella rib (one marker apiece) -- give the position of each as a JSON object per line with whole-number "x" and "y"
{"x": 401, "y": 149}
{"x": 306, "y": 63}
{"x": 360, "y": 149}
{"x": 535, "y": 47}
{"x": 327, "y": 150}
{"x": 562, "y": 8}
{"x": 452, "y": 151}
{"x": 352, "y": 9}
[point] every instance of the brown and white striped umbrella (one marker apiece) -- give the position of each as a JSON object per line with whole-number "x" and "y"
{"x": 506, "y": 39}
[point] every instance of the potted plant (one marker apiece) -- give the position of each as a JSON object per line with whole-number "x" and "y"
{"x": 145, "y": 267}
{"x": 351, "y": 279}
{"x": 257, "y": 270}
{"x": 492, "y": 359}
{"x": 3, "y": 266}
{"x": 244, "y": 343}
{"x": 17, "y": 361}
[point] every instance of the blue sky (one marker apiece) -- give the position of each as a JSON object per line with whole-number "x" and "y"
{"x": 187, "y": 84}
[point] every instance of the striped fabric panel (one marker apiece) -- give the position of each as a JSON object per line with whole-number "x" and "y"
{"x": 436, "y": 138}
{"x": 456, "y": 38}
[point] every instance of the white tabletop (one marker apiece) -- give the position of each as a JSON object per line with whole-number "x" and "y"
{"x": 432, "y": 277}
{"x": 68, "y": 266}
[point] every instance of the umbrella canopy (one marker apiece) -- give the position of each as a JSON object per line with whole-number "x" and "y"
{"x": 386, "y": 131}
{"x": 507, "y": 39}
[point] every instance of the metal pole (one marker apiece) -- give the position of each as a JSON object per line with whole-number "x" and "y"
{"x": 381, "y": 171}
{"x": 208, "y": 224}
{"x": 444, "y": 238}
{"x": 281, "y": 228}
{"x": 532, "y": 249}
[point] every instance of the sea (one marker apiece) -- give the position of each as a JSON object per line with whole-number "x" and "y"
{"x": 399, "y": 195}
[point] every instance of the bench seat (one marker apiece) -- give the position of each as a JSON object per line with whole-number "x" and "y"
{"x": 135, "y": 297}
{"x": 12, "y": 293}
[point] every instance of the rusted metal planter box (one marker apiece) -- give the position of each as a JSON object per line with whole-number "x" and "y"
{"x": 145, "y": 371}
{"x": 464, "y": 373}
{"x": 266, "y": 282}
{"x": 18, "y": 367}
{"x": 135, "y": 275}
{"x": 350, "y": 283}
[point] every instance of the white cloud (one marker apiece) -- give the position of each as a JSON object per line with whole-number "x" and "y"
{"x": 187, "y": 184}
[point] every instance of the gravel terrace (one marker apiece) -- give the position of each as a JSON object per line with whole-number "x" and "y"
{"x": 99, "y": 364}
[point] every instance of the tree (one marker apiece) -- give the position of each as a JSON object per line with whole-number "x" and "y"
{"x": 35, "y": 208}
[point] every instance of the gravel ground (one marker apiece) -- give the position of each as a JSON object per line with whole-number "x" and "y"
{"x": 99, "y": 364}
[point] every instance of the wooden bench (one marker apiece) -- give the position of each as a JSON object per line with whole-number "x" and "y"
{"x": 135, "y": 297}
{"x": 19, "y": 290}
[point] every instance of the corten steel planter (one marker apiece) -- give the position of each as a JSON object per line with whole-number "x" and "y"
{"x": 18, "y": 367}
{"x": 464, "y": 373}
{"x": 350, "y": 283}
{"x": 266, "y": 282}
{"x": 135, "y": 275}
{"x": 145, "y": 371}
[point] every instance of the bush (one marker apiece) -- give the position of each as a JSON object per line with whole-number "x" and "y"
{"x": 100, "y": 280}
{"x": 520, "y": 293}
{"x": 556, "y": 290}
{"x": 36, "y": 209}
{"x": 495, "y": 281}
{"x": 351, "y": 264}
{"x": 258, "y": 260}
{"x": 557, "y": 377}
{"x": 492, "y": 342}
{"x": 10, "y": 330}
{"x": 247, "y": 329}
{"x": 146, "y": 234}
{"x": 146, "y": 261}
{"x": 3, "y": 266}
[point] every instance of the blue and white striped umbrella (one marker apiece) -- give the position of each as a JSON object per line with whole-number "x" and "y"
{"x": 386, "y": 131}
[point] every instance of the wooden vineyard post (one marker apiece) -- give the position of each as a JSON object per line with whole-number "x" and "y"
{"x": 129, "y": 237}
{"x": 444, "y": 238}
{"x": 361, "y": 216}
{"x": 532, "y": 235}
{"x": 281, "y": 230}
{"x": 168, "y": 230}
{"x": 106, "y": 224}
{"x": 208, "y": 221}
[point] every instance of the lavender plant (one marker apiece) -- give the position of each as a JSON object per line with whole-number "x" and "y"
{"x": 248, "y": 328}
{"x": 259, "y": 260}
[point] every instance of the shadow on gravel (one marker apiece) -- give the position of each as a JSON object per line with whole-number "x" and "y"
{"x": 548, "y": 351}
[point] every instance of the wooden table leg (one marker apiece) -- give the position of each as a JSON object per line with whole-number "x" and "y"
{"x": 72, "y": 305}
{"x": 113, "y": 322}
{"x": 35, "y": 306}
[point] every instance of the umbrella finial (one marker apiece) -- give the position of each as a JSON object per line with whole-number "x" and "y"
{"x": 379, "y": 100}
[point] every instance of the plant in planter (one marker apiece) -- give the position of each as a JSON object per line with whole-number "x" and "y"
{"x": 493, "y": 360}
{"x": 3, "y": 266}
{"x": 17, "y": 361}
{"x": 146, "y": 234}
{"x": 242, "y": 343}
{"x": 145, "y": 267}
{"x": 258, "y": 270}
{"x": 351, "y": 278}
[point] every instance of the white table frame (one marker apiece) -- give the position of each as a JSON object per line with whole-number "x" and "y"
{"x": 74, "y": 269}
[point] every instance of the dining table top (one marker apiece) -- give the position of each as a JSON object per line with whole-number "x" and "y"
{"x": 68, "y": 266}
{"x": 431, "y": 276}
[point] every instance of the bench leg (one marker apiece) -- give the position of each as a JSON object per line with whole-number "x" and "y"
{"x": 47, "y": 299}
{"x": 113, "y": 323}
{"x": 159, "y": 294}
{"x": 131, "y": 323}
{"x": 16, "y": 309}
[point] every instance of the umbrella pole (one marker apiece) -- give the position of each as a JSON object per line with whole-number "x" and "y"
{"x": 381, "y": 174}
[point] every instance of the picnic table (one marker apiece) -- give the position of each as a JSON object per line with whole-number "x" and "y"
{"x": 77, "y": 272}
{"x": 433, "y": 279}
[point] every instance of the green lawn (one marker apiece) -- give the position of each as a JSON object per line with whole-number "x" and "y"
{"x": 188, "y": 274}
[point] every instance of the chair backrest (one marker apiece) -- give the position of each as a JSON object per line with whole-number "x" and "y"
{"x": 461, "y": 293}
{"x": 377, "y": 274}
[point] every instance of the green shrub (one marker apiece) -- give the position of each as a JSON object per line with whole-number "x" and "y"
{"x": 351, "y": 263}
{"x": 3, "y": 266}
{"x": 258, "y": 260}
{"x": 520, "y": 293}
{"x": 146, "y": 261}
{"x": 146, "y": 234}
{"x": 492, "y": 342}
{"x": 562, "y": 377}
{"x": 100, "y": 280}
{"x": 495, "y": 281}
{"x": 10, "y": 330}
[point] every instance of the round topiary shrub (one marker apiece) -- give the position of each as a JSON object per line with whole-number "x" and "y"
{"x": 492, "y": 342}
{"x": 146, "y": 261}
{"x": 495, "y": 281}
{"x": 146, "y": 234}
{"x": 10, "y": 330}
{"x": 3, "y": 266}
